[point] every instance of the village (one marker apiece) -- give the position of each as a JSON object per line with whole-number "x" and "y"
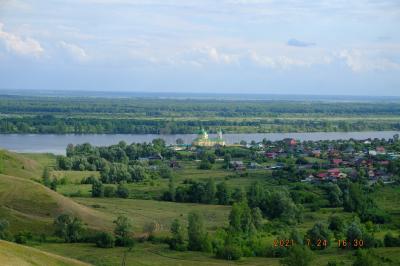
{"x": 310, "y": 161}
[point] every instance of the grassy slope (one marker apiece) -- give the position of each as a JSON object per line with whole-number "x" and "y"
{"x": 29, "y": 205}
{"x": 26, "y": 202}
{"x": 162, "y": 213}
{"x": 13, "y": 254}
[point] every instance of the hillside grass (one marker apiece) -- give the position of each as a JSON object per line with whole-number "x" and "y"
{"x": 26, "y": 203}
{"x": 162, "y": 213}
{"x": 17, "y": 255}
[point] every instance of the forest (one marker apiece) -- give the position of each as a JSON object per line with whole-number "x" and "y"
{"x": 60, "y": 115}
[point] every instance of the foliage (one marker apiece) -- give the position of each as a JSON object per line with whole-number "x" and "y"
{"x": 317, "y": 236}
{"x": 122, "y": 191}
{"x": 97, "y": 189}
{"x": 298, "y": 256}
{"x": 198, "y": 238}
{"x": 105, "y": 240}
{"x": 4, "y": 224}
{"x": 177, "y": 240}
{"x": 69, "y": 228}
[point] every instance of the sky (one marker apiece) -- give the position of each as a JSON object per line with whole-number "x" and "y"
{"x": 205, "y": 46}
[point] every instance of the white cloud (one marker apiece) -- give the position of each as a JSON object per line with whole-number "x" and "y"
{"x": 363, "y": 60}
{"x": 21, "y": 46}
{"x": 75, "y": 51}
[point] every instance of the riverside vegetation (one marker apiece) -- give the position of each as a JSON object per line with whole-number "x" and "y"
{"x": 26, "y": 114}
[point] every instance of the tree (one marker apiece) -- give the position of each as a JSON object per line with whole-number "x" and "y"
{"x": 109, "y": 191}
{"x": 227, "y": 160}
{"x": 122, "y": 191}
{"x": 318, "y": 236}
{"x": 238, "y": 195}
{"x": 177, "y": 240}
{"x": 334, "y": 195}
{"x": 354, "y": 233}
{"x": 46, "y": 177}
{"x": 391, "y": 241}
{"x": 137, "y": 172}
{"x": 122, "y": 231}
{"x": 4, "y": 224}
{"x": 366, "y": 258}
{"x": 179, "y": 141}
{"x": 336, "y": 224}
{"x": 67, "y": 227}
{"x": 122, "y": 226}
{"x": 355, "y": 201}
{"x": 222, "y": 194}
{"x": 256, "y": 217}
{"x": 205, "y": 165}
{"x": 53, "y": 184}
{"x": 240, "y": 218}
{"x": 105, "y": 240}
{"x": 165, "y": 172}
{"x": 171, "y": 189}
{"x": 209, "y": 191}
{"x": 149, "y": 228}
{"x": 198, "y": 239}
{"x": 97, "y": 189}
{"x": 256, "y": 195}
{"x": 229, "y": 251}
{"x": 298, "y": 256}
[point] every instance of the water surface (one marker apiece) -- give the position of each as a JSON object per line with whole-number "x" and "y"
{"x": 52, "y": 143}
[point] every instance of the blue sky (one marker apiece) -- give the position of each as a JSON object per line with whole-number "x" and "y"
{"x": 234, "y": 46}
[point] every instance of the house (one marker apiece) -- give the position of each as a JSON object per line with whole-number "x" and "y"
{"x": 334, "y": 172}
{"x": 322, "y": 176}
{"x": 316, "y": 153}
{"x": 254, "y": 165}
{"x": 271, "y": 155}
{"x": 380, "y": 150}
{"x": 237, "y": 165}
{"x": 337, "y": 162}
{"x": 290, "y": 142}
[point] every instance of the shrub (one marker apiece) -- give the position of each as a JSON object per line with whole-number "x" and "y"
{"x": 97, "y": 189}
{"x": 20, "y": 238}
{"x": 124, "y": 241}
{"x": 391, "y": 241}
{"x": 122, "y": 191}
{"x": 88, "y": 180}
{"x": 205, "y": 165}
{"x": 4, "y": 224}
{"x": 105, "y": 240}
{"x": 298, "y": 256}
{"x": 230, "y": 252}
{"x": 109, "y": 191}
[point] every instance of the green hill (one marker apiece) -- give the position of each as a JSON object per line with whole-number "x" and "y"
{"x": 13, "y": 254}
{"x": 24, "y": 165}
{"x": 28, "y": 205}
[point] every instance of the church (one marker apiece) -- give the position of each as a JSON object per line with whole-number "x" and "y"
{"x": 204, "y": 141}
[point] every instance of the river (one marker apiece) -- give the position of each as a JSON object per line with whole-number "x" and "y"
{"x": 52, "y": 143}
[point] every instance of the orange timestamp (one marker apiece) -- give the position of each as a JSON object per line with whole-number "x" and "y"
{"x": 283, "y": 243}
{"x": 345, "y": 243}
{"x": 319, "y": 243}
